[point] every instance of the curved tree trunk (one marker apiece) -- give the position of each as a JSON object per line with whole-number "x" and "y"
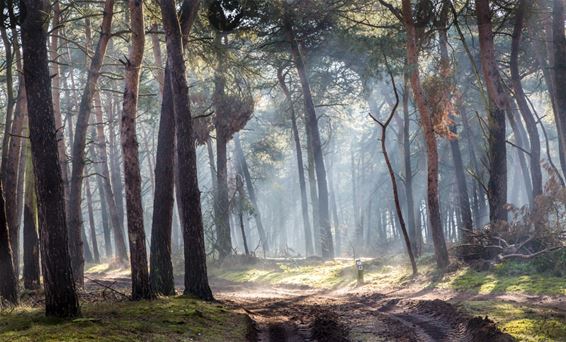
{"x": 60, "y": 294}
{"x": 437, "y": 233}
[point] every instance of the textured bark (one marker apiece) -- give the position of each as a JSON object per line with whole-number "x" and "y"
{"x": 78, "y": 151}
{"x": 60, "y": 294}
{"x": 300, "y": 166}
{"x": 161, "y": 267}
{"x": 132, "y": 176}
{"x": 497, "y": 184}
{"x": 196, "y": 278}
{"x": 327, "y": 245}
{"x": 437, "y": 233}
{"x": 251, "y": 191}
{"x": 559, "y": 63}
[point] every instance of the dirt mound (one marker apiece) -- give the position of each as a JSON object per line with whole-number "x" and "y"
{"x": 326, "y": 327}
{"x": 484, "y": 329}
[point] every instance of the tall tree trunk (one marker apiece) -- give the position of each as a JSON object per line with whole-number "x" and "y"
{"x": 161, "y": 266}
{"x": 414, "y": 232}
{"x": 79, "y": 141}
{"x": 196, "y": 278}
{"x": 222, "y": 201}
{"x": 559, "y": 57}
{"x": 136, "y": 233}
{"x": 497, "y": 185}
{"x": 528, "y": 117}
{"x": 32, "y": 270}
{"x": 300, "y": 166}
{"x": 327, "y": 245}
{"x": 251, "y": 191}
{"x": 60, "y": 295}
{"x": 437, "y": 233}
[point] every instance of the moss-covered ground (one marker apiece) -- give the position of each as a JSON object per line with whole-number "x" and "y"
{"x": 164, "y": 319}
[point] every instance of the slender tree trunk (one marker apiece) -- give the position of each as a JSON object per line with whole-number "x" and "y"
{"x": 251, "y": 191}
{"x": 196, "y": 278}
{"x": 528, "y": 117}
{"x": 432, "y": 150}
{"x": 300, "y": 166}
{"x": 136, "y": 233}
{"x": 78, "y": 150}
{"x": 413, "y": 229}
{"x": 92, "y": 224}
{"x": 497, "y": 185}
{"x": 60, "y": 294}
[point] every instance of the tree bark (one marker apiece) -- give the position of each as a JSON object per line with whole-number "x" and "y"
{"x": 196, "y": 278}
{"x": 8, "y": 281}
{"x": 437, "y": 233}
{"x": 79, "y": 141}
{"x": 497, "y": 185}
{"x": 132, "y": 176}
{"x": 60, "y": 294}
{"x": 161, "y": 267}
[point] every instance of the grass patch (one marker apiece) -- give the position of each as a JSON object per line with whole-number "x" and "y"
{"x": 165, "y": 319}
{"x": 497, "y": 282}
{"x": 525, "y": 323}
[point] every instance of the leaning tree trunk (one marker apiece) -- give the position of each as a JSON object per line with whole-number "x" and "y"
{"x": 92, "y": 224}
{"x": 497, "y": 184}
{"x": 528, "y": 117}
{"x": 132, "y": 175}
{"x": 196, "y": 278}
{"x": 161, "y": 267}
{"x": 60, "y": 295}
{"x": 251, "y": 191}
{"x": 327, "y": 245}
{"x": 437, "y": 233}
{"x": 300, "y": 166}
{"x": 78, "y": 151}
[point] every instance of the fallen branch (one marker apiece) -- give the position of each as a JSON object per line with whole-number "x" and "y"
{"x": 107, "y": 287}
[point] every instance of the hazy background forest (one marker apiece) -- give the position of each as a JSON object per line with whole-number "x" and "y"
{"x": 306, "y": 163}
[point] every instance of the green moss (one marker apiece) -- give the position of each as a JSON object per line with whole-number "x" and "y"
{"x": 468, "y": 280}
{"x": 166, "y": 319}
{"x": 524, "y": 322}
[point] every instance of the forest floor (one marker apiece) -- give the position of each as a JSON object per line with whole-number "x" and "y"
{"x": 309, "y": 300}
